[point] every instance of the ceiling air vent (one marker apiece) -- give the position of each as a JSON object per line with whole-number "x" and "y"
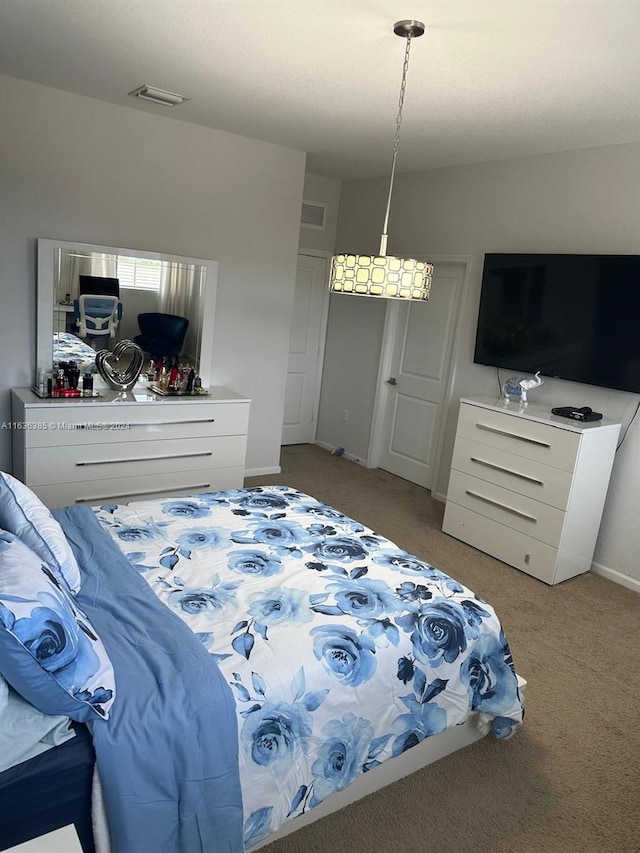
{"x": 313, "y": 215}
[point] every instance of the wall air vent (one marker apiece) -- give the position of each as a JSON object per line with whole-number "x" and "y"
{"x": 313, "y": 215}
{"x": 158, "y": 96}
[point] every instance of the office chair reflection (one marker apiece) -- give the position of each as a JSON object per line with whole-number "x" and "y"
{"x": 97, "y": 317}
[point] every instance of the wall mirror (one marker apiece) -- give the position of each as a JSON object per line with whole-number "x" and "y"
{"x": 71, "y": 277}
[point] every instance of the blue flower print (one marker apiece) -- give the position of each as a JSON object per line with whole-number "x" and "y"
{"x": 60, "y": 647}
{"x": 51, "y": 635}
{"x": 504, "y": 727}
{"x": 254, "y": 563}
{"x": 475, "y": 615}
{"x": 437, "y": 631}
{"x": 322, "y": 511}
{"x": 488, "y": 674}
{"x": 134, "y": 558}
{"x": 422, "y": 721}
{"x": 130, "y": 533}
{"x": 342, "y": 755}
{"x": 257, "y": 826}
{"x": 203, "y": 537}
{"x": 283, "y": 534}
{"x": 401, "y": 561}
{"x": 272, "y": 734}
{"x": 186, "y": 509}
{"x": 409, "y": 591}
{"x": 7, "y": 619}
{"x": 364, "y": 598}
{"x": 278, "y": 606}
{"x": 344, "y": 549}
{"x": 195, "y": 600}
{"x": 318, "y": 530}
{"x": 345, "y": 655}
{"x": 259, "y": 500}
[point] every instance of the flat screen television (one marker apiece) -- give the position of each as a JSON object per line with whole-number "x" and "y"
{"x": 97, "y": 285}
{"x": 574, "y": 317}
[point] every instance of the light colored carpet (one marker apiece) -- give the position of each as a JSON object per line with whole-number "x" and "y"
{"x": 569, "y": 781}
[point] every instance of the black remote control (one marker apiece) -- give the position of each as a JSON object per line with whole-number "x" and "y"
{"x": 584, "y": 413}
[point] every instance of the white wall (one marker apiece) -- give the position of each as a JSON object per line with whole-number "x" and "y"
{"x": 74, "y": 168}
{"x": 582, "y": 201}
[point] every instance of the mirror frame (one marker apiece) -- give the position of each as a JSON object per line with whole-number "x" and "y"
{"x": 46, "y": 296}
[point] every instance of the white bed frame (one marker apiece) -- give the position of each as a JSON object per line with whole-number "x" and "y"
{"x": 429, "y": 750}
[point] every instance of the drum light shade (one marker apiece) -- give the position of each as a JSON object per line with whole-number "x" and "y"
{"x": 383, "y": 276}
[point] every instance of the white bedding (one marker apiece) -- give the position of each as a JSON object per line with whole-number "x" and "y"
{"x": 341, "y": 649}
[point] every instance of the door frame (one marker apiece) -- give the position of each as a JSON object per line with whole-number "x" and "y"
{"x": 391, "y": 322}
{"x": 324, "y": 320}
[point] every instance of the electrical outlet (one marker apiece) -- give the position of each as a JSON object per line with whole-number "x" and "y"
{"x": 345, "y": 415}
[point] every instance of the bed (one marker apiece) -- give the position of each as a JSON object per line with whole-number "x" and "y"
{"x": 264, "y": 659}
{"x": 69, "y": 347}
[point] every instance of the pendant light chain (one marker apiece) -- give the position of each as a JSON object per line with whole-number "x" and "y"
{"x": 385, "y": 276}
{"x": 396, "y": 143}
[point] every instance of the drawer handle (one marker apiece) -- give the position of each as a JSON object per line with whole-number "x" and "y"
{"x": 145, "y": 492}
{"x": 171, "y": 423}
{"x": 142, "y": 458}
{"x": 507, "y": 470}
{"x": 503, "y": 506}
{"x": 513, "y": 435}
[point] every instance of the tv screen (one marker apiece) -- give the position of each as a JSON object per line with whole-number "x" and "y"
{"x": 96, "y": 285}
{"x": 572, "y": 317}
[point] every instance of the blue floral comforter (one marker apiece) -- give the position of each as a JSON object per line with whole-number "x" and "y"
{"x": 69, "y": 347}
{"x": 342, "y": 649}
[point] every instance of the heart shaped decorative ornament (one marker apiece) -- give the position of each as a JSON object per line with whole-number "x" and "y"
{"x": 132, "y": 357}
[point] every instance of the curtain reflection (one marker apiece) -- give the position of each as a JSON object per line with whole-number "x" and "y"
{"x": 177, "y": 285}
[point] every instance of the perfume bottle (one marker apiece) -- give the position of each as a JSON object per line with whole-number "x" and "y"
{"x": 73, "y": 375}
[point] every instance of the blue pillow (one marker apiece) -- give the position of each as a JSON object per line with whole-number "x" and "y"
{"x": 24, "y": 514}
{"x": 49, "y": 651}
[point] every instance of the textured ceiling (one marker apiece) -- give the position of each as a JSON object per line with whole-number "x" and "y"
{"x": 490, "y": 79}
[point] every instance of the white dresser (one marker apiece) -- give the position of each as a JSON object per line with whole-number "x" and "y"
{"x": 528, "y": 487}
{"x": 109, "y": 449}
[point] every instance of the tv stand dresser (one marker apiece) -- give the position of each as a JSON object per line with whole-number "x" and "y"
{"x": 529, "y": 487}
{"x": 120, "y": 448}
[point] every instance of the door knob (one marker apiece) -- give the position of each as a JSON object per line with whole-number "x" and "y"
{"x": 392, "y": 381}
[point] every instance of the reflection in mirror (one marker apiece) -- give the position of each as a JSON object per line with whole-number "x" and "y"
{"x": 91, "y": 297}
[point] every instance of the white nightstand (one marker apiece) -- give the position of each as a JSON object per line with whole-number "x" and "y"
{"x": 64, "y": 840}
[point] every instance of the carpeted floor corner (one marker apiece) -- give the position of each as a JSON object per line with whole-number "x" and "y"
{"x": 569, "y": 781}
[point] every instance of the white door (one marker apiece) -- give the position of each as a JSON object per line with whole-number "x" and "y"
{"x": 418, "y": 375}
{"x": 306, "y": 347}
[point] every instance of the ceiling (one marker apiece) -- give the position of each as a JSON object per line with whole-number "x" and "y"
{"x": 490, "y": 79}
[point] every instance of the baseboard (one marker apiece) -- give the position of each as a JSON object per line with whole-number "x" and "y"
{"x": 616, "y": 577}
{"x": 350, "y": 456}
{"x": 438, "y": 496}
{"x": 262, "y": 472}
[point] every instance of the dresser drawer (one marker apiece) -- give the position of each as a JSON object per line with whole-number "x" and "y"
{"x": 511, "y": 509}
{"x": 125, "y": 489}
{"x": 60, "y": 427}
{"x": 550, "y": 445}
{"x": 94, "y": 462}
{"x": 517, "y": 473}
{"x": 524, "y": 552}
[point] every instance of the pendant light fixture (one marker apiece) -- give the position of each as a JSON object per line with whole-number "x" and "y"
{"x": 383, "y": 275}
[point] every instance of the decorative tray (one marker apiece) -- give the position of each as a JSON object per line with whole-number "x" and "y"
{"x": 171, "y": 392}
{"x": 81, "y": 396}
